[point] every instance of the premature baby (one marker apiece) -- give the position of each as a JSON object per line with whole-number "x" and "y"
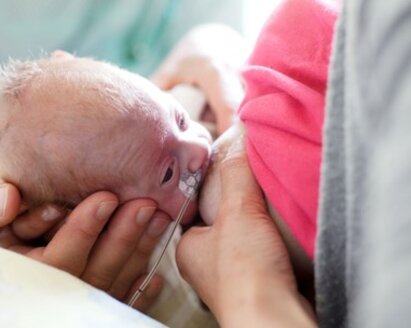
{"x": 72, "y": 126}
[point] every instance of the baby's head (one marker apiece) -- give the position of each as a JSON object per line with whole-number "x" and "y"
{"x": 72, "y": 126}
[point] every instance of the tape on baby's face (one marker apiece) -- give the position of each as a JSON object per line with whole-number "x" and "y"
{"x": 189, "y": 182}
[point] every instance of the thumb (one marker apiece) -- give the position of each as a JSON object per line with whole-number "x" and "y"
{"x": 9, "y": 203}
{"x": 192, "y": 251}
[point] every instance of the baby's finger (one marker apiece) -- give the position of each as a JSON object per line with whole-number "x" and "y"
{"x": 138, "y": 261}
{"x": 150, "y": 294}
{"x": 118, "y": 242}
{"x": 7, "y": 238}
{"x": 166, "y": 76}
{"x": 9, "y": 241}
{"x": 70, "y": 248}
{"x": 37, "y": 222}
{"x": 9, "y": 203}
{"x": 224, "y": 95}
{"x": 49, "y": 235}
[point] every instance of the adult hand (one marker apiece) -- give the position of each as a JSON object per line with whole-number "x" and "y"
{"x": 209, "y": 57}
{"x": 239, "y": 266}
{"x": 109, "y": 254}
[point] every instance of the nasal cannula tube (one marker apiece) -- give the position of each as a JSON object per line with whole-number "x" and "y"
{"x": 189, "y": 184}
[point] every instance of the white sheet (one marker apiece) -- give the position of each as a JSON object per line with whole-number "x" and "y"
{"x": 35, "y": 295}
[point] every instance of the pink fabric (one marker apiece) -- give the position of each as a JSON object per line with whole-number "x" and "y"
{"x": 283, "y": 110}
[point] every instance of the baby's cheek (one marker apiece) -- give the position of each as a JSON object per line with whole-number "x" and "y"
{"x": 173, "y": 204}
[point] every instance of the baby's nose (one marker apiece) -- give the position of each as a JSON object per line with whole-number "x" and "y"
{"x": 198, "y": 154}
{"x": 197, "y": 147}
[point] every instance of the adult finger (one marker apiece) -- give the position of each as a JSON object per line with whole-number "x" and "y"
{"x": 38, "y": 221}
{"x": 118, "y": 242}
{"x": 138, "y": 261}
{"x": 193, "y": 252}
{"x": 70, "y": 248}
{"x": 150, "y": 294}
{"x": 10, "y": 201}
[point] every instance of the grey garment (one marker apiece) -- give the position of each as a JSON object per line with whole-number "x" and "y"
{"x": 363, "y": 254}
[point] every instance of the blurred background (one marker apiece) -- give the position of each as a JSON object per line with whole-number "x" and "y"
{"x": 255, "y": 14}
{"x": 135, "y": 34}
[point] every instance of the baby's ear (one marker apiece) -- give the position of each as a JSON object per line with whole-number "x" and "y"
{"x": 61, "y": 54}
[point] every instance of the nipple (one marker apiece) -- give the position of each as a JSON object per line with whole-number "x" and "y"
{"x": 189, "y": 182}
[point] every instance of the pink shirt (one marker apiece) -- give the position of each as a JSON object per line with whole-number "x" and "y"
{"x": 283, "y": 110}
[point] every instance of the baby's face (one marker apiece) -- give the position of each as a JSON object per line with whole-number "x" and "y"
{"x": 171, "y": 147}
{"x": 118, "y": 132}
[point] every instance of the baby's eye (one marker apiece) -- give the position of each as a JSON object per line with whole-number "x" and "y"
{"x": 168, "y": 175}
{"x": 182, "y": 123}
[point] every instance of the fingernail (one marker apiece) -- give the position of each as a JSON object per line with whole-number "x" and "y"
{"x": 105, "y": 209}
{"x": 144, "y": 215}
{"x": 157, "y": 227}
{"x": 50, "y": 214}
{"x": 3, "y": 199}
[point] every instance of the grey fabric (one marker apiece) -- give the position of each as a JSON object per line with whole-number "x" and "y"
{"x": 363, "y": 254}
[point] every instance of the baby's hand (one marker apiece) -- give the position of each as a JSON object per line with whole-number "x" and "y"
{"x": 209, "y": 57}
{"x": 114, "y": 259}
